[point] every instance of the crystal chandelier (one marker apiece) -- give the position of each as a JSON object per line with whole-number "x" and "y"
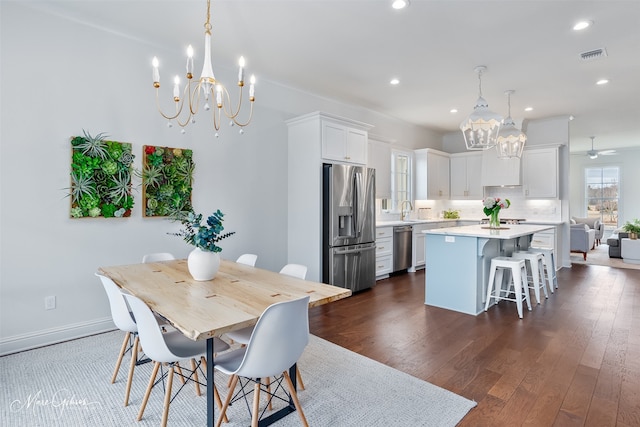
{"x": 207, "y": 87}
{"x": 481, "y": 128}
{"x": 511, "y": 140}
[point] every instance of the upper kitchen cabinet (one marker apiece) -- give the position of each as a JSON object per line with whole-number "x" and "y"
{"x": 432, "y": 174}
{"x": 540, "y": 173}
{"x": 465, "y": 176}
{"x": 379, "y": 158}
{"x": 498, "y": 172}
{"x": 344, "y": 141}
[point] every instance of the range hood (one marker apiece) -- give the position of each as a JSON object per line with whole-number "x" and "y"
{"x": 500, "y": 172}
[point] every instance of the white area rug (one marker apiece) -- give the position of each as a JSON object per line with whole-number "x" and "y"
{"x": 68, "y": 384}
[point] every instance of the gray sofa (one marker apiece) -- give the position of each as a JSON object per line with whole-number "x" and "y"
{"x": 594, "y": 224}
{"x": 614, "y": 243}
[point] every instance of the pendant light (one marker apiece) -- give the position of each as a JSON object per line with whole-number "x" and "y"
{"x": 511, "y": 140}
{"x": 481, "y": 128}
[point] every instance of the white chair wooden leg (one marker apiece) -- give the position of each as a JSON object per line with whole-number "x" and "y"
{"x": 299, "y": 378}
{"x": 145, "y": 399}
{"x": 296, "y": 402}
{"x": 196, "y": 381}
{"x": 167, "y": 397}
{"x": 123, "y": 350}
{"x": 132, "y": 366}
{"x": 223, "y": 411}
{"x": 256, "y": 405}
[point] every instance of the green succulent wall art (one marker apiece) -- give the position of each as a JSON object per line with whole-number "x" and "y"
{"x": 167, "y": 177}
{"x": 100, "y": 177}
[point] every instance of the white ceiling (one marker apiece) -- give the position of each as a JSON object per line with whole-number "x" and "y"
{"x": 349, "y": 50}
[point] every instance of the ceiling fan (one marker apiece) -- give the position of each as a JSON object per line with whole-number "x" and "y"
{"x": 593, "y": 154}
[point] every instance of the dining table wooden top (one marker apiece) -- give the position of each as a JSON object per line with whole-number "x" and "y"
{"x": 234, "y": 299}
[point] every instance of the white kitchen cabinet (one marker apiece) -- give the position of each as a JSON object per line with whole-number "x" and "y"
{"x": 384, "y": 251}
{"x": 418, "y": 246}
{"x": 465, "y": 176}
{"x": 498, "y": 172}
{"x": 379, "y": 158}
{"x": 431, "y": 174}
{"x": 343, "y": 143}
{"x": 540, "y": 173}
{"x": 304, "y": 186}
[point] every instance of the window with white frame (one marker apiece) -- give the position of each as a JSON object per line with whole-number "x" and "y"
{"x": 401, "y": 178}
{"x": 602, "y": 193}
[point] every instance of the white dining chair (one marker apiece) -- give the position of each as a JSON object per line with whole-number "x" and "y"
{"x": 124, "y": 321}
{"x": 295, "y": 270}
{"x": 278, "y": 340}
{"x": 242, "y": 336}
{"x": 247, "y": 259}
{"x": 169, "y": 348}
{"x": 158, "y": 256}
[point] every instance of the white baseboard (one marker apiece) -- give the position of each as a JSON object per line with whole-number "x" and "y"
{"x": 50, "y": 336}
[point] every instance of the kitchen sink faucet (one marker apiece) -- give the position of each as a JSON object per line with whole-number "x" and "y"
{"x": 402, "y": 208}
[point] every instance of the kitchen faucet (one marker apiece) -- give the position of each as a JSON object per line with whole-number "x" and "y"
{"x": 402, "y": 208}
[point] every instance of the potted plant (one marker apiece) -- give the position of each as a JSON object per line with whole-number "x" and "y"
{"x": 633, "y": 228}
{"x": 204, "y": 260}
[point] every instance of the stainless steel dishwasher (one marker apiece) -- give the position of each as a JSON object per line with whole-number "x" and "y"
{"x": 402, "y": 247}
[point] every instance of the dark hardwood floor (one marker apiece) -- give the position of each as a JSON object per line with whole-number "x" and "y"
{"x": 574, "y": 360}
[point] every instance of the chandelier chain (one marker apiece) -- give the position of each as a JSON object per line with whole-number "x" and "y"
{"x": 207, "y": 25}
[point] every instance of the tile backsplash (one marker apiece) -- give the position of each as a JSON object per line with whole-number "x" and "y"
{"x": 521, "y": 207}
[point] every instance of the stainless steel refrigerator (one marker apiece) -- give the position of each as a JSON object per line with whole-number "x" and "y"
{"x": 348, "y": 226}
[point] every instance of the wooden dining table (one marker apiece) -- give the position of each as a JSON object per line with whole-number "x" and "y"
{"x": 201, "y": 310}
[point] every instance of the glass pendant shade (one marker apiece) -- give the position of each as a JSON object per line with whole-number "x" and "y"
{"x": 510, "y": 141}
{"x": 481, "y": 128}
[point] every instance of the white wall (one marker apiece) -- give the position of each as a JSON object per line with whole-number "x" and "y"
{"x": 59, "y": 77}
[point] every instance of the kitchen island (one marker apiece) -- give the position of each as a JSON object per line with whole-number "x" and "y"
{"x": 458, "y": 260}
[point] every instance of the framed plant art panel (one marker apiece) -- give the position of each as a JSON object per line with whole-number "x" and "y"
{"x": 167, "y": 177}
{"x": 100, "y": 177}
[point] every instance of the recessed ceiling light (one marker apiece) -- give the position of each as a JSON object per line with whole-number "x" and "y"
{"x": 394, "y": 81}
{"x": 399, "y": 4}
{"x": 582, "y": 25}
{"x": 453, "y": 110}
{"x": 602, "y": 82}
{"x": 528, "y": 109}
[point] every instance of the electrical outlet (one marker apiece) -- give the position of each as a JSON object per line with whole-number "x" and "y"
{"x": 50, "y": 302}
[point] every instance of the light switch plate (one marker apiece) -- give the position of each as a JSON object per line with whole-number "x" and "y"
{"x": 449, "y": 239}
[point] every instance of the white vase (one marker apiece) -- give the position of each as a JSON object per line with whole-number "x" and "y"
{"x": 203, "y": 265}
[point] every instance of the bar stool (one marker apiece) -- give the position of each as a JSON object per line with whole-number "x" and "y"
{"x": 519, "y": 281}
{"x": 549, "y": 264}
{"x": 535, "y": 264}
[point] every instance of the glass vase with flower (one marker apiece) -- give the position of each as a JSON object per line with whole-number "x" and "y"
{"x": 492, "y": 206}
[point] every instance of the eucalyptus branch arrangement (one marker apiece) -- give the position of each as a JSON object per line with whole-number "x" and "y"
{"x": 202, "y": 236}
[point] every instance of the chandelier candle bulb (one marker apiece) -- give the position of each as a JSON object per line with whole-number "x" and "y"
{"x": 156, "y": 73}
{"x": 219, "y": 96}
{"x": 176, "y": 89}
{"x": 189, "y": 61}
{"x": 241, "y": 71}
{"x": 252, "y": 88}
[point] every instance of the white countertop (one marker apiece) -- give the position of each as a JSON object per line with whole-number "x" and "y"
{"x": 389, "y": 223}
{"x": 508, "y": 231}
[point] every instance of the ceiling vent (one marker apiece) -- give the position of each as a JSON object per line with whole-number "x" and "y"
{"x": 593, "y": 54}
